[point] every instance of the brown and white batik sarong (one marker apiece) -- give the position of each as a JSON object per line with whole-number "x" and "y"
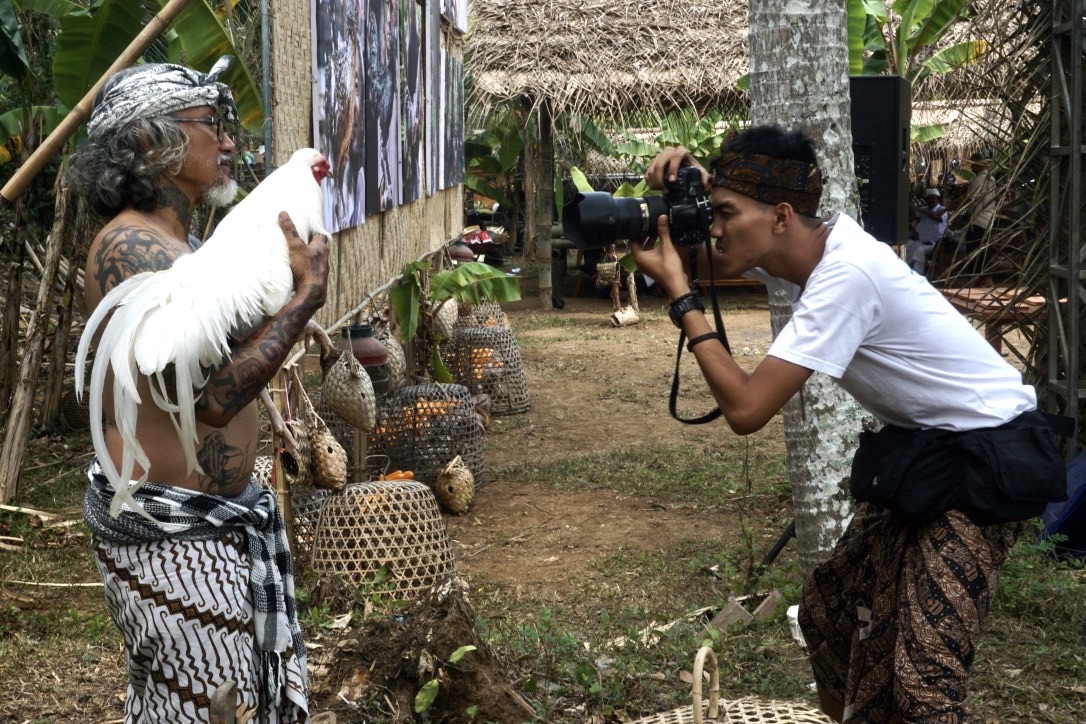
{"x": 206, "y": 601}
{"x": 893, "y": 618}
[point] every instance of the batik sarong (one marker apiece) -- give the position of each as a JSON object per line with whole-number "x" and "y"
{"x": 893, "y": 618}
{"x": 190, "y": 601}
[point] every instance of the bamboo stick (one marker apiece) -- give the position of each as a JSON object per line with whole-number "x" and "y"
{"x": 52, "y": 144}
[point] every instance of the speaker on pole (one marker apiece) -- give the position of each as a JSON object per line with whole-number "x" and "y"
{"x": 880, "y": 144}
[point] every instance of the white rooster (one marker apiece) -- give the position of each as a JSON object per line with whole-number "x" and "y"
{"x": 186, "y": 316}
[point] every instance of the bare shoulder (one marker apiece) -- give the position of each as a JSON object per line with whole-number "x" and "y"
{"x": 127, "y": 245}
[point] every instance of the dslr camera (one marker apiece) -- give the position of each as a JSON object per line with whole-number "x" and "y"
{"x": 595, "y": 220}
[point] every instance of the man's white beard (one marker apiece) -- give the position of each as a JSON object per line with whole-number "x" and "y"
{"x": 222, "y": 193}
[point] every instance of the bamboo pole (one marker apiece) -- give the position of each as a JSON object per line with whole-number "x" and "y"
{"x": 15, "y": 187}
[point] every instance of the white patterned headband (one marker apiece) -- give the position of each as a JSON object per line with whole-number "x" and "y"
{"x": 159, "y": 89}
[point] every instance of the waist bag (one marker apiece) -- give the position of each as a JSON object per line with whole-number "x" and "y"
{"x": 998, "y": 474}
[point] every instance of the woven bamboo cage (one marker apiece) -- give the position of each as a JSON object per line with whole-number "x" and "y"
{"x": 484, "y": 314}
{"x": 305, "y": 504}
{"x": 487, "y": 360}
{"x": 423, "y": 427}
{"x": 748, "y": 710}
{"x": 390, "y": 525}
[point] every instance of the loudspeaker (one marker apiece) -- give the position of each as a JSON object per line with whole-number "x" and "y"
{"x": 880, "y": 144}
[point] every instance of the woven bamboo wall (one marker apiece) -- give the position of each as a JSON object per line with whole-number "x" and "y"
{"x": 365, "y": 257}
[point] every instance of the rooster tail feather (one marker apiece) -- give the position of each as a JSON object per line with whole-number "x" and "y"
{"x": 113, "y": 298}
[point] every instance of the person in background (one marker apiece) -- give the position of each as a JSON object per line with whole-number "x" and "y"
{"x": 893, "y": 618}
{"x": 930, "y": 227}
{"x": 204, "y": 594}
{"x": 981, "y": 198}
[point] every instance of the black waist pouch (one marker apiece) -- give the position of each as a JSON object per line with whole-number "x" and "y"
{"x": 1001, "y": 474}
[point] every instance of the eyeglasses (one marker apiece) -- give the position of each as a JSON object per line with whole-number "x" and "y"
{"x": 216, "y": 121}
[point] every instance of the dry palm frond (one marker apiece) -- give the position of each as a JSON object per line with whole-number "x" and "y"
{"x": 612, "y": 57}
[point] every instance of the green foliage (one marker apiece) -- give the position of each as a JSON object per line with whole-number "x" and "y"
{"x": 88, "y": 43}
{"x": 406, "y": 298}
{"x": 204, "y": 39}
{"x": 474, "y": 282}
{"x": 426, "y": 696}
{"x": 492, "y": 158}
{"x": 13, "y": 60}
{"x": 904, "y": 49}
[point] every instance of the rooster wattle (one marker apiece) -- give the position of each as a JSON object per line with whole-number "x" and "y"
{"x": 185, "y": 317}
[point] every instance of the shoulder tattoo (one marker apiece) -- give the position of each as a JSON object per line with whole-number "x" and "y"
{"x": 128, "y": 250}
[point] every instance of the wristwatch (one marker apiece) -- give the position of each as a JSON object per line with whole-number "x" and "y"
{"x": 686, "y": 303}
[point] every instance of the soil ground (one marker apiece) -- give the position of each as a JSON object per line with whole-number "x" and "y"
{"x": 595, "y": 388}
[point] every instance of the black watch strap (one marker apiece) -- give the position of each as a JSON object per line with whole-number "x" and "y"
{"x": 686, "y": 303}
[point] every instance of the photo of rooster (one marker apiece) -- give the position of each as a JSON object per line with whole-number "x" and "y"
{"x": 411, "y": 99}
{"x": 339, "y": 106}
{"x": 382, "y": 106}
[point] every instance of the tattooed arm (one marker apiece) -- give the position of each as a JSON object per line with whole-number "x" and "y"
{"x": 253, "y": 362}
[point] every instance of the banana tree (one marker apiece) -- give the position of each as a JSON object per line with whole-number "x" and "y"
{"x": 900, "y": 40}
{"x": 420, "y": 296}
{"x": 87, "y": 42}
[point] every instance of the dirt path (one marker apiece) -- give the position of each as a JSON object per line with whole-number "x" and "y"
{"x": 593, "y": 387}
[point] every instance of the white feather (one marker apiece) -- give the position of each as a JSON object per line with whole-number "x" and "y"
{"x": 186, "y": 315}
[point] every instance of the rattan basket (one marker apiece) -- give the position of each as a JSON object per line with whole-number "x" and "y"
{"x": 712, "y": 710}
{"x": 487, "y": 360}
{"x": 394, "y": 525}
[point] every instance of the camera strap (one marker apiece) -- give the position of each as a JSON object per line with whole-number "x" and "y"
{"x": 717, "y": 318}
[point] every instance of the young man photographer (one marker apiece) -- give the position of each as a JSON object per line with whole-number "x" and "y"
{"x": 892, "y": 620}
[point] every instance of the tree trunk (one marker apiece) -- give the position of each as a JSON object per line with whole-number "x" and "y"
{"x": 807, "y": 88}
{"x": 18, "y": 430}
{"x": 13, "y": 302}
{"x": 531, "y": 181}
{"x": 544, "y": 207}
{"x": 54, "y": 385}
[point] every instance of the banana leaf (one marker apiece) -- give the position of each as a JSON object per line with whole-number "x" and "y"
{"x": 406, "y": 300}
{"x": 474, "y": 282}
{"x": 919, "y": 134}
{"x": 55, "y": 9}
{"x": 580, "y": 180}
{"x": 204, "y": 39}
{"x": 13, "y": 61}
{"x": 89, "y": 42}
{"x": 12, "y": 131}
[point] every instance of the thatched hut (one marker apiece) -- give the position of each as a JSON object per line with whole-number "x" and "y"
{"x": 608, "y": 57}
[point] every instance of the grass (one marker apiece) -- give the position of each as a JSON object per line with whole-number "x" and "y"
{"x": 694, "y": 477}
{"x": 565, "y": 655}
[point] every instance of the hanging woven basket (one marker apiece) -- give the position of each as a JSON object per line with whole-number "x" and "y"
{"x": 348, "y": 391}
{"x": 606, "y": 273}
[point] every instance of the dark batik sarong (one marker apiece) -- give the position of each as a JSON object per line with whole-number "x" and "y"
{"x": 893, "y": 618}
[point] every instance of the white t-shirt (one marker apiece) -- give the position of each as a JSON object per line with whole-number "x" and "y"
{"x": 894, "y": 342}
{"x": 931, "y": 230}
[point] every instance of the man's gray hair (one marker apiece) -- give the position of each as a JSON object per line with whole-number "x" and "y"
{"x": 123, "y": 169}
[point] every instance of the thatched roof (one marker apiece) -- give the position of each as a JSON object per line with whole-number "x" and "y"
{"x": 973, "y": 125}
{"x": 612, "y": 57}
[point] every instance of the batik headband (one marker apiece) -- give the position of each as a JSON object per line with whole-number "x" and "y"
{"x": 159, "y": 89}
{"x": 770, "y": 180}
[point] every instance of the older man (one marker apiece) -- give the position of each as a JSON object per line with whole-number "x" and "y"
{"x": 893, "y": 618}
{"x": 204, "y": 598}
{"x": 931, "y": 221}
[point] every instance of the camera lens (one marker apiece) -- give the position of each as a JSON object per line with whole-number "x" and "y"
{"x": 597, "y": 219}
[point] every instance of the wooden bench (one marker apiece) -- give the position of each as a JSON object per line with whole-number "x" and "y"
{"x": 995, "y": 308}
